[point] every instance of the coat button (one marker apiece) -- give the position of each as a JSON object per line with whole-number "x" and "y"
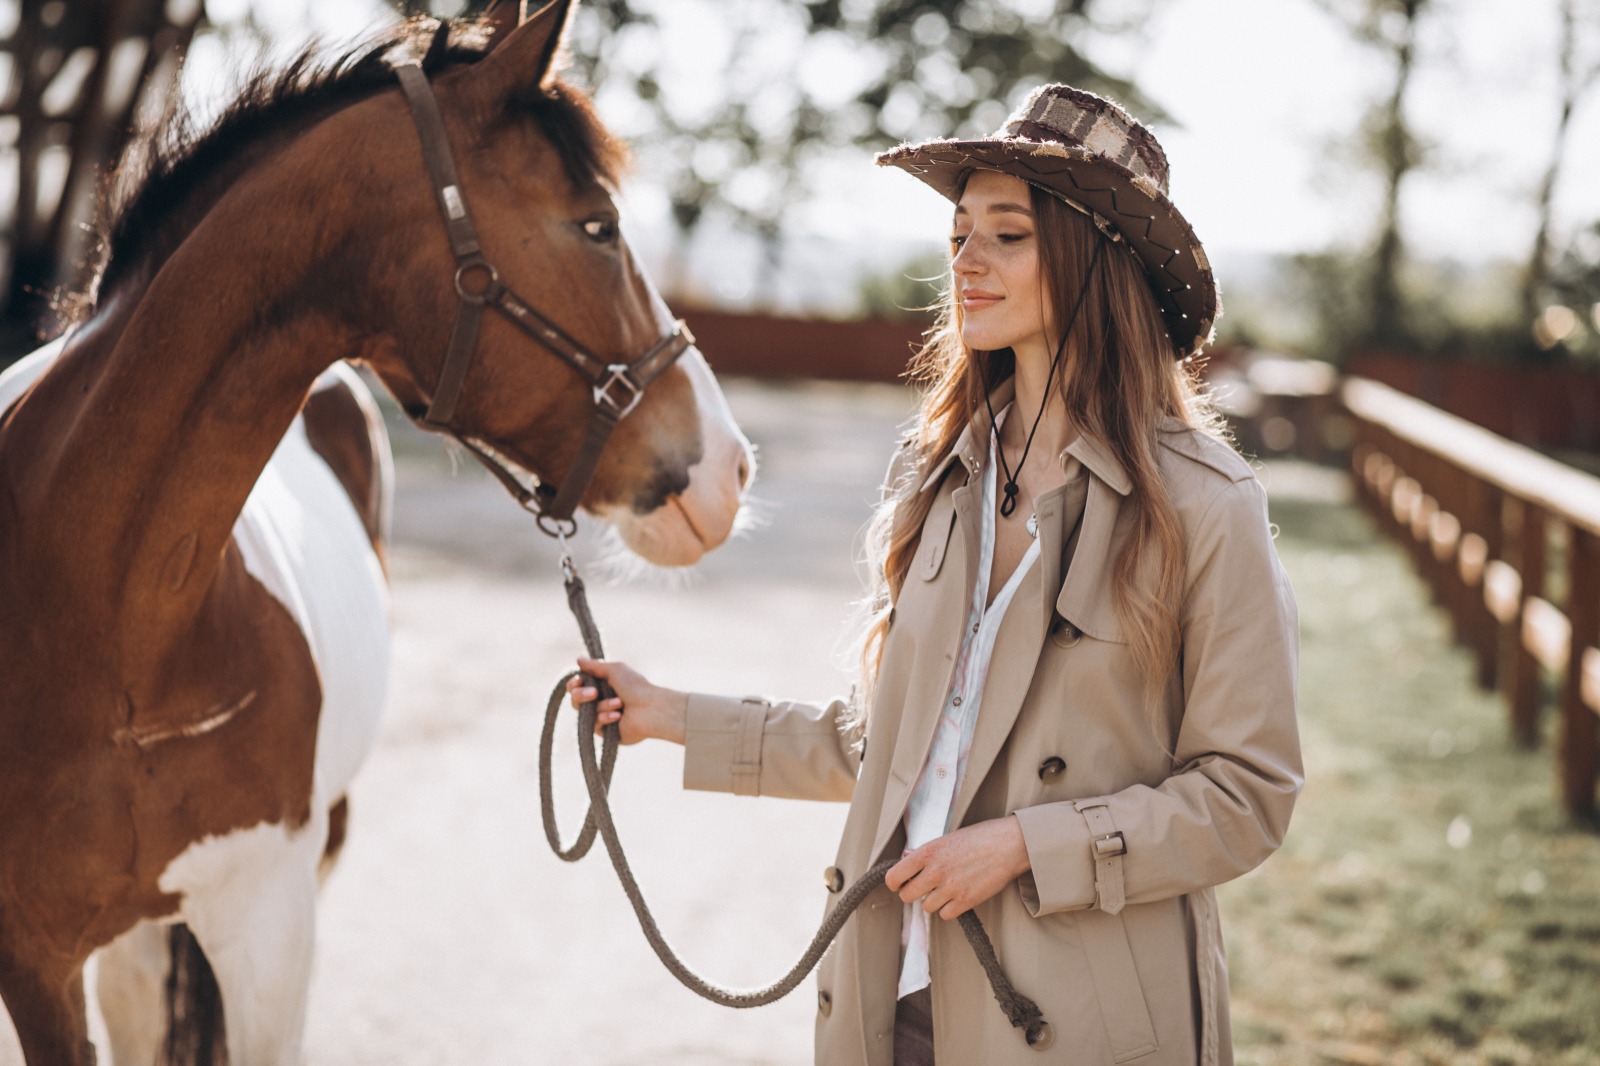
{"x": 1063, "y": 634}
{"x": 1041, "y": 1038}
{"x": 1051, "y": 768}
{"x": 824, "y": 1002}
{"x": 833, "y": 877}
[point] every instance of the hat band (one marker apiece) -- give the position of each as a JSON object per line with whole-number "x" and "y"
{"x": 1107, "y": 228}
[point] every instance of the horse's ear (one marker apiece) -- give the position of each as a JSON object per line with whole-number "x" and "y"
{"x": 502, "y": 17}
{"x": 523, "y": 52}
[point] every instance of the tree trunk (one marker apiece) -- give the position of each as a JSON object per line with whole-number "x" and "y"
{"x": 1398, "y": 158}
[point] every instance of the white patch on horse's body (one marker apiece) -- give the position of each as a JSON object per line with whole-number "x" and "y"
{"x": 250, "y": 899}
{"x": 301, "y": 538}
{"x": 16, "y": 378}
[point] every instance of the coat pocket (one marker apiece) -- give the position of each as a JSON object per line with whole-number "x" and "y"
{"x": 1129, "y": 1029}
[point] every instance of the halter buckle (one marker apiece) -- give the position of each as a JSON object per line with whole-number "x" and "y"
{"x": 618, "y": 376}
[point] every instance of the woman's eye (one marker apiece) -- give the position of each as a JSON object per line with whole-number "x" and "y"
{"x": 600, "y": 230}
{"x": 1013, "y": 238}
{"x": 957, "y": 240}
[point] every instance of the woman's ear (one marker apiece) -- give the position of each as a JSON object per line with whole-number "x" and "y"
{"x": 523, "y": 54}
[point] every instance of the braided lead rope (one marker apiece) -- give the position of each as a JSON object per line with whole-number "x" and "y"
{"x": 1021, "y": 1011}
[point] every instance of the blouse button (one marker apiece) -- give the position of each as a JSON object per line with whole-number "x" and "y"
{"x": 956, "y": 702}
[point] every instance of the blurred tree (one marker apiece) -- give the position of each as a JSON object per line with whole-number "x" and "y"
{"x": 731, "y": 122}
{"x": 76, "y": 79}
{"x": 909, "y": 291}
{"x": 1573, "y": 285}
{"x": 1578, "y": 67}
{"x": 1393, "y": 149}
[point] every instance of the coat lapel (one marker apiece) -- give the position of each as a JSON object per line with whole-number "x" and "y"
{"x": 1016, "y": 652}
{"x": 944, "y": 611}
{"x": 1020, "y": 641}
{"x": 1086, "y": 593}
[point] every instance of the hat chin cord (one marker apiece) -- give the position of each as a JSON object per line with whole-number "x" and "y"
{"x": 1008, "y": 505}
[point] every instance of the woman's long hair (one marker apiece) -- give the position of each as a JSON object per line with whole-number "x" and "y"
{"x": 1118, "y": 380}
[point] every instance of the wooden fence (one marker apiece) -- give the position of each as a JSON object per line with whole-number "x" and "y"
{"x": 1509, "y": 541}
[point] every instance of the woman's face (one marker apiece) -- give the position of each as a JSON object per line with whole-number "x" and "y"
{"x": 994, "y": 249}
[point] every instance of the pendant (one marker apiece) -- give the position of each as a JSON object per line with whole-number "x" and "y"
{"x": 1009, "y": 504}
{"x": 1033, "y": 526}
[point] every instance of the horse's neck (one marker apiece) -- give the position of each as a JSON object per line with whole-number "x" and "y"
{"x": 132, "y": 458}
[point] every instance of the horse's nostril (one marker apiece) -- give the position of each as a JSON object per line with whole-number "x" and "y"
{"x": 744, "y": 472}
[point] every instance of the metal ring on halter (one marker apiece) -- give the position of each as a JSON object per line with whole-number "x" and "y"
{"x": 560, "y": 528}
{"x": 477, "y": 296}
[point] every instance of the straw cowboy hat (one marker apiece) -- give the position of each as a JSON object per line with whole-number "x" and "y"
{"x": 1091, "y": 153}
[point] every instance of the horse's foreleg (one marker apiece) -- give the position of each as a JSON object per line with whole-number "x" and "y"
{"x": 257, "y": 928}
{"x": 132, "y": 987}
{"x": 46, "y": 1005}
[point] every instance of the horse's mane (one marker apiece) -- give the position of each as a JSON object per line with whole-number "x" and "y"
{"x": 165, "y": 183}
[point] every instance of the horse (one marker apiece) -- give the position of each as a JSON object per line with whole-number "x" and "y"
{"x": 193, "y": 488}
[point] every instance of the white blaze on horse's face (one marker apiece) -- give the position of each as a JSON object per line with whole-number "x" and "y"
{"x": 678, "y": 530}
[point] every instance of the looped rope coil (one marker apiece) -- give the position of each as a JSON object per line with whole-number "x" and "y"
{"x": 1019, "y": 1009}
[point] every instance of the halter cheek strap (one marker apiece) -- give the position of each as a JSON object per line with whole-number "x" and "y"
{"x": 616, "y": 388}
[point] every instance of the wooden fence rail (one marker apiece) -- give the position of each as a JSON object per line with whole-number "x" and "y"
{"x": 1509, "y": 542}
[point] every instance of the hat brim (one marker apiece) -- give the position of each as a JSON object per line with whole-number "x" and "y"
{"x": 1175, "y": 264}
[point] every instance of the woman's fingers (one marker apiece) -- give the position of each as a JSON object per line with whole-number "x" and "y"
{"x": 915, "y": 879}
{"x": 902, "y": 871}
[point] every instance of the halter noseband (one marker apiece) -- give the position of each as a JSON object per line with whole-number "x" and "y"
{"x": 617, "y": 387}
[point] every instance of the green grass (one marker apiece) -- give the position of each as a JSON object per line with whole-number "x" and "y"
{"x": 1432, "y": 904}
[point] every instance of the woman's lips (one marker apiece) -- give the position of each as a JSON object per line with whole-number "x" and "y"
{"x": 978, "y": 301}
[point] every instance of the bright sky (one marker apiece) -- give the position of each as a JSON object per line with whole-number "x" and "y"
{"x": 1266, "y": 92}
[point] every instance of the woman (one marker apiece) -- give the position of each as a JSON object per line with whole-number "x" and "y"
{"x": 1080, "y": 677}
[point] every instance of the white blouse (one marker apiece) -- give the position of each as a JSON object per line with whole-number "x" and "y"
{"x": 928, "y": 816}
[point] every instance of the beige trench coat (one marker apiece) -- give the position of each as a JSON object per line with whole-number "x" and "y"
{"x": 1123, "y": 954}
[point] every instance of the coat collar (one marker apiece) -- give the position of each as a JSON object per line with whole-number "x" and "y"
{"x": 971, "y": 448}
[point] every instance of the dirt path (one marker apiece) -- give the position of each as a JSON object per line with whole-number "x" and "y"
{"x": 450, "y": 933}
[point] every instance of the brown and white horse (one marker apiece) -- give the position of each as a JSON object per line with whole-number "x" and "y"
{"x": 193, "y": 638}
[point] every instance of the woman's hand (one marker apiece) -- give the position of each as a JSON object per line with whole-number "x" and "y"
{"x": 960, "y": 870}
{"x": 640, "y": 709}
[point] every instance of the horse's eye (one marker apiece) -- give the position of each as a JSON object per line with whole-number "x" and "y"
{"x": 600, "y": 230}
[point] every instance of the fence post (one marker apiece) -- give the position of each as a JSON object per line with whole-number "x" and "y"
{"x": 1483, "y": 519}
{"x": 1577, "y": 746}
{"x": 1522, "y": 669}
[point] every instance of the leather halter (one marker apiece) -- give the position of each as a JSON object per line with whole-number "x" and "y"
{"x": 617, "y": 387}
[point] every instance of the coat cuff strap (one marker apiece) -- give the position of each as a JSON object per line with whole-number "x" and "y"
{"x": 1109, "y": 847}
{"x": 747, "y": 747}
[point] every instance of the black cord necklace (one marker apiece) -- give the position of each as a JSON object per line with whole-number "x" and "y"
{"x": 1008, "y": 506}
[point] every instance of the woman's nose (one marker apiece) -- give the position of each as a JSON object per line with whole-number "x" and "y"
{"x": 967, "y": 260}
